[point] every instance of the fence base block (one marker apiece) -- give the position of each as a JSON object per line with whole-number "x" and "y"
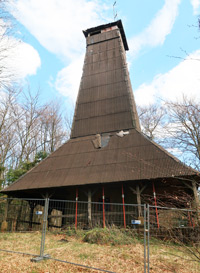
{"x": 40, "y": 258}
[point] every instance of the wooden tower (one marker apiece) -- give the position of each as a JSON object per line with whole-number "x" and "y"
{"x": 106, "y": 145}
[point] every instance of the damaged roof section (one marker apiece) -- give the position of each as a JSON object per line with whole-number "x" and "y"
{"x": 97, "y": 141}
{"x": 101, "y": 141}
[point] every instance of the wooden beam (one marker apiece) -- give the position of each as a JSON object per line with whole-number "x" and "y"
{"x": 92, "y": 192}
{"x": 76, "y": 212}
{"x": 133, "y": 190}
{"x": 140, "y": 190}
{"x": 32, "y": 207}
{"x": 188, "y": 185}
{"x": 196, "y": 199}
{"x": 138, "y": 201}
{"x": 143, "y": 188}
{"x": 89, "y": 207}
{"x": 103, "y": 199}
{"x": 124, "y": 212}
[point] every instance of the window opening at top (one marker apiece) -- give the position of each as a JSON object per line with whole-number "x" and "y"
{"x": 95, "y": 32}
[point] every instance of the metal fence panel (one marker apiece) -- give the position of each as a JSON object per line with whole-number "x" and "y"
{"x": 65, "y": 213}
{"x": 162, "y": 239}
{"x": 174, "y": 240}
{"x": 79, "y": 219}
{"x": 19, "y": 221}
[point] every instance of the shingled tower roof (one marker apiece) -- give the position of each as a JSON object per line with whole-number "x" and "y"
{"x": 105, "y": 101}
{"x": 106, "y": 143}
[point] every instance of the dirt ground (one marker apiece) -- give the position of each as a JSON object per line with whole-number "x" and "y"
{"x": 119, "y": 259}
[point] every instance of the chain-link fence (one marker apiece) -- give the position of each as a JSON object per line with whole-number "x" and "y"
{"x": 105, "y": 237}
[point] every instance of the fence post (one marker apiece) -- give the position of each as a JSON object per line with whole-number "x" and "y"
{"x": 145, "y": 249}
{"x": 44, "y": 228}
{"x": 148, "y": 238}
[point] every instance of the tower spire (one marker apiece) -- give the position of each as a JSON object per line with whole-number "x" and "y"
{"x": 105, "y": 101}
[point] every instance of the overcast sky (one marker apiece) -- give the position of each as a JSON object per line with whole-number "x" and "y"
{"x": 51, "y": 53}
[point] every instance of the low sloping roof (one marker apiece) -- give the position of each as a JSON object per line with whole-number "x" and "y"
{"x": 129, "y": 158}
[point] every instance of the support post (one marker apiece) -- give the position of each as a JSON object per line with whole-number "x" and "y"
{"x": 196, "y": 200}
{"x": 4, "y": 225}
{"x": 103, "y": 199}
{"x": 138, "y": 192}
{"x": 89, "y": 207}
{"x": 124, "y": 212}
{"x": 76, "y": 213}
{"x": 50, "y": 222}
{"x": 138, "y": 201}
{"x": 32, "y": 206}
{"x": 19, "y": 215}
{"x": 154, "y": 195}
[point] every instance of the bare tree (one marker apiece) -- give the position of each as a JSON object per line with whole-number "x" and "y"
{"x": 152, "y": 120}
{"x": 176, "y": 126}
{"x": 7, "y": 132}
{"x": 53, "y": 132}
{"x": 184, "y": 128}
{"x": 7, "y": 43}
{"x": 69, "y": 120}
{"x": 27, "y": 128}
{"x": 26, "y": 114}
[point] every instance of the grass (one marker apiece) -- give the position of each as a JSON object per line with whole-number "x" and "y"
{"x": 111, "y": 236}
{"x": 110, "y": 249}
